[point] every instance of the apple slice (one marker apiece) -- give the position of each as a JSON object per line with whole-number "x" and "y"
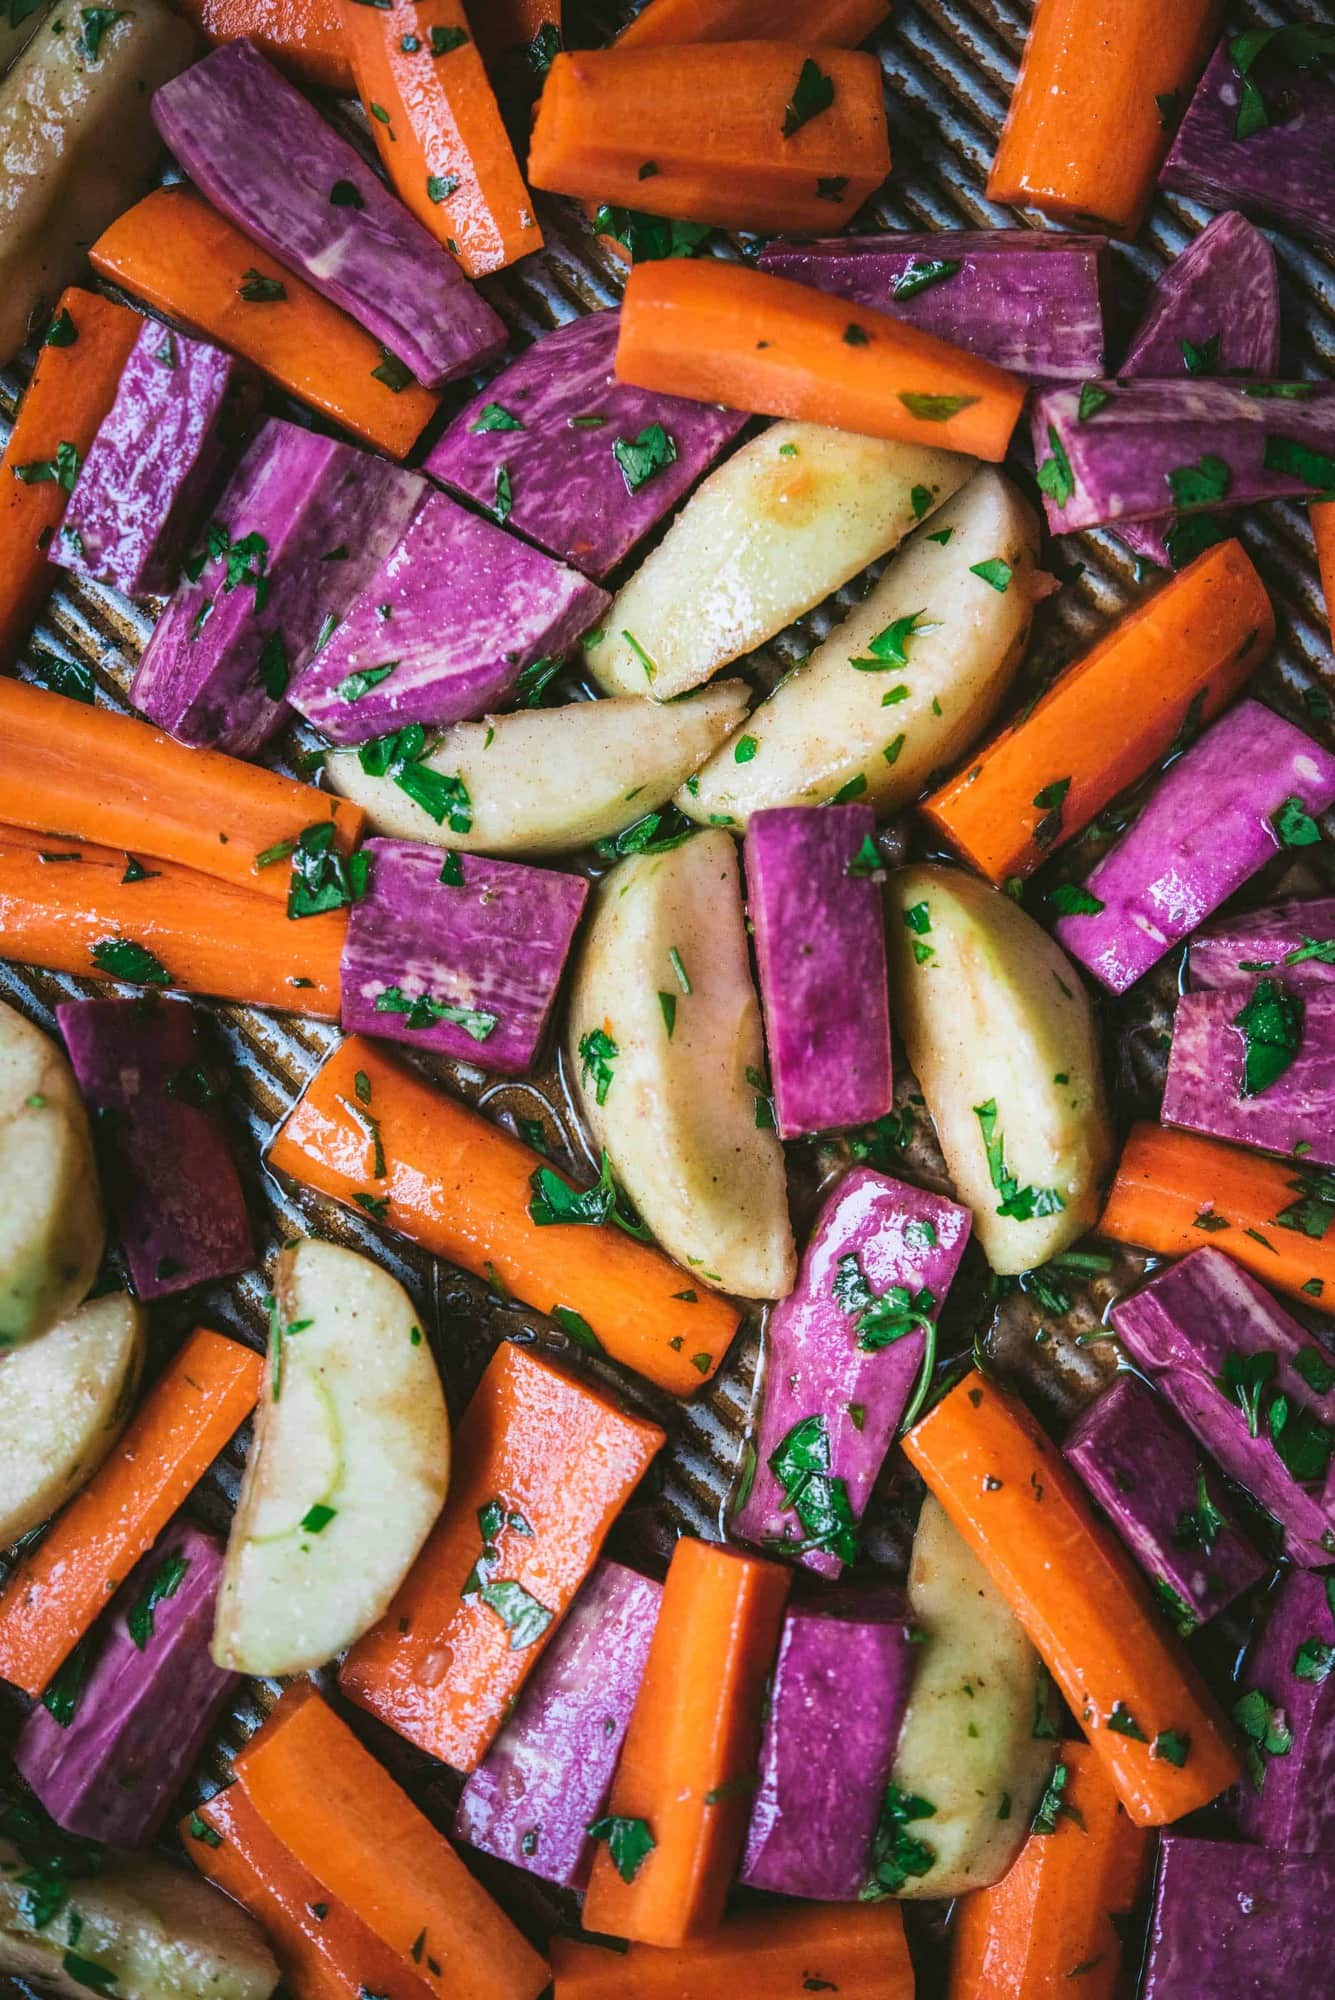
{"x": 51, "y": 1232}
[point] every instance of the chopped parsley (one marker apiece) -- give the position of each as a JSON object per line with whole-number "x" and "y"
{"x": 1055, "y": 477}
{"x": 323, "y": 878}
{"x": 1092, "y": 400}
{"x": 1202, "y": 359}
{"x": 165, "y": 1582}
{"x": 519, "y": 1611}
{"x": 1300, "y": 44}
{"x": 801, "y": 1464}
{"x": 888, "y": 648}
{"x": 1293, "y": 825}
{"x": 122, "y": 958}
{"x": 495, "y": 417}
{"x": 1021, "y": 1204}
{"x": 597, "y": 1053}
{"x": 1051, "y": 801}
{"x": 258, "y": 290}
{"x": 422, "y": 1011}
{"x": 647, "y": 239}
{"x": 444, "y": 41}
{"x": 896, "y": 1854}
{"x": 642, "y": 457}
{"x": 1073, "y": 901}
{"x": 812, "y": 93}
{"x": 918, "y": 277}
{"x": 1053, "y": 1804}
{"x": 994, "y": 571}
{"x": 1268, "y": 1734}
{"x": 1272, "y": 1034}
{"x": 96, "y": 21}
{"x": 62, "y": 470}
{"x": 628, "y": 1841}
{"x": 1199, "y": 1527}
{"x": 1201, "y": 485}
{"x": 399, "y": 756}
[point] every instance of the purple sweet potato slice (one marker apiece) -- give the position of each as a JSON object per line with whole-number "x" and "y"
{"x": 813, "y": 881}
{"x": 1251, "y": 1385}
{"x": 107, "y": 1757}
{"x": 1225, "y": 1046}
{"x": 546, "y": 1778}
{"x": 1239, "y": 795}
{"x": 1238, "y": 1923}
{"x": 458, "y": 954}
{"x": 844, "y": 1350}
{"x": 1294, "y": 941}
{"x": 1165, "y": 1501}
{"x": 826, "y": 1751}
{"x": 444, "y": 629}
{"x": 180, "y": 407}
{"x": 1028, "y": 300}
{"x": 170, "y": 1180}
{"x": 262, "y": 153}
{"x": 1286, "y": 1709}
{"x": 575, "y": 456}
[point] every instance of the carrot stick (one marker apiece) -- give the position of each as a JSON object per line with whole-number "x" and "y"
{"x": 95, "y": 775}
{"x": 1322, "y": 518}
{"x": 698, "y": 133}
{"x": 187, "y": 261}
{"x": 1053, "y": 1918}
{"x": 837, "y": 23}
{"x": 447, "y": 1660}
{"x": 72, "y": 388}
{"x": 438, "y": 128}
{"x": 505, "y": 26}
{"x": 304, "y": 36}
{"x": 1167, "y": 669}
{"x": 1100, "y": 90}
{"x": 55, "y": 1593}
{"x": 1079, "y": 1597}
{"x": 79, "y": 915}
{"x": 462, "y": 1188}
{"x": 323, "y": 1957}
{"x": 856, "y": 1950}
{"x": 692, "y": 1744}
{"x": 1174, "y": 1191}
{"x": 721, "y": 333}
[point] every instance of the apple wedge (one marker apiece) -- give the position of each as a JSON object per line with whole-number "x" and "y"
{"x": 905, "y": 684}
{"x": 347, "y": 1472}
{"x": 1001, "y": 1036}
{"x": 51, "y": 1230}
{"x": 666, "y": 1051}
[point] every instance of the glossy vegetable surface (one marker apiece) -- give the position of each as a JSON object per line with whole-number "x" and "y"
{"x": 1229, "y": 1918}
{"x": 842, "y": 23}
{"x": 1290, "y": 940}
{"x": 64, "y": 1400}
{"x": 860, "y": 1951}
{"x": 1287, "y": 1798}
{"x": 51, "y": 1230}
{"x": 1220, "y": 1067}
{"x": 304, "y": 36}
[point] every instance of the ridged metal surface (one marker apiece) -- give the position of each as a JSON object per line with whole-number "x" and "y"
{"x": 949, "y": 66}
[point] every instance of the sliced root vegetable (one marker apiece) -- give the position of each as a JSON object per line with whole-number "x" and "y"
{"x": 859, "y": 1952}
{"x": 78, "y": 145}
{"x": 665, "y": 1045}
{"x": 187, "y": 261}
{"x": 318, "y": 1544}
{"x": 64, "y": 1400}
{"x": 59, "y": 1588}
{"x": 677, "y": 1817}
{"x": 837, "y": 23}
{"x": 1001, "y": 1036}
{"x": 691, "y": 329}
{"x": 51, "y": 1230}
{"x": 304, "y": 36}
{"x": 1094, "y": 104}
{"x": 791, "y": 517}
{"x": 1322, "y": 520}
{"x": 1256, "y": 1068}
{"x": 909, "y": 678}
{"x": 753, "y": 135}
{"x": 510, "y": 32}
{"x": 1060, "y": 1914}
{"x": 341, "y": 1816}
{"x": 1078, "y": 1596}
{"x": 1293, "y": 940}
{"x": 516, "y": 769}
{"x": 978, "y": 1742}
{"x": 1286, "y": 1708}
{"x": 1227, "y": 1917}
{"x": 371, "y": 1133}
{"x": 1142, "y": 691}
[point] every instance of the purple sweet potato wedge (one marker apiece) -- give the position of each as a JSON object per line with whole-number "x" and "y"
{"x": 1286, "y": 1708}
{"x": 1237, "y": 1923}
{"x": 1219, "y": 1068}
{"x": 1294, "y": 941}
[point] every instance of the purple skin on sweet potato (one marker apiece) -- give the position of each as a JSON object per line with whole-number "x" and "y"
{"x": 547, "y": 1776}
{"x": 444, "y": 629}
{"x": 1165, "y": 1501}
{"x": 576, "y": 451}
{"x": 145, "y": 1711}
{"x": 170, "y": 1180}
{"x": 1215, "y": 311}
{"x": 1280, "y": 171}
{"x": 302, "y": 526}
{"x": 1025, "y": 300}
{"x": 1206, "y": 1090}
{"x": 1233, "y": 1364}
{"x": 465, "y": 967}
{"x": 880, "y": 1252}
{"x": 1216, "y": 816}
{"x": 1231, "y": 1921}
{"x": 262, "y": 153}
{"x": 1287, "y": 1798}
{"x": 815, "y": 903}
{"x": 1292, "y": 942}
{"x": 181, "y": 406}
{"x": 838, "y": 1693}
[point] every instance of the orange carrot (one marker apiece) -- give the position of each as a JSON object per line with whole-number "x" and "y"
{"x": 856, "y": 1950}
{"x": 506, "y": 26}
{"x": 1053, "y": 1919}
{"x": 698, "y": 133}
{"x": 341, "y": 1816}
{"x": 837, "y": 23}
{"x": 79, "y": 912}
{"x": 721, "y": 333}
{"x": 1098, "y": 95}
{"x": 1174, "y": 663}
{"x": 322, "y": 1957}
{"x": 438, "y": 127}
{"x": 1322, "y": 518}
{"x": 55, "y": 1593}
{"x": 72, "y": 388}
{"x": 462, "y": 1188}
{"x": 1080, "y": 1598}
{"x": 304, "y": 36}
{"x": 1174, "y": 1191}
{"x": 187, "y": 261}
{"x": 95, "y": 775}
{"x": 470, "y": 1622}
